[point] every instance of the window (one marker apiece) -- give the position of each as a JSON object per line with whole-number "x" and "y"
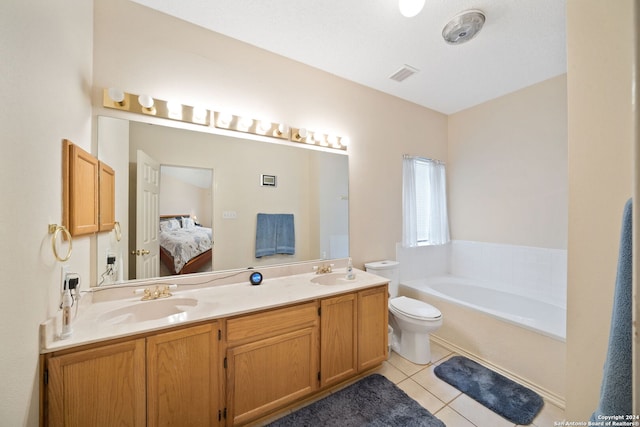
{"x": 424, "y": 202}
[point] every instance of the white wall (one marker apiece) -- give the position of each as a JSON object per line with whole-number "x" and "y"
{"x": 45, "y": 84}
{"x": 224, "y": 74}
{"x": 600, "y": 83}
{"x": 507, "y": 170}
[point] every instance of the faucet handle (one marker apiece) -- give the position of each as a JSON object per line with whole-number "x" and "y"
{"x": 146, "y": 293}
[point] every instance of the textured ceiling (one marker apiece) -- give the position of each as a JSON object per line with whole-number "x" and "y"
{"x": 366, "y": 41}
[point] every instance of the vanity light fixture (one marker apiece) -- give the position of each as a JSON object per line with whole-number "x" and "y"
{"x": 299, "y": 135}
{"x": 117, "y": 99}
{"x": 333, "y": 141}
{"x": 223, "y": 120}
{"x": 200, "y": 115}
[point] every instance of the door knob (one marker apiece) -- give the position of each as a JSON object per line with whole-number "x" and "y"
{"x": 140, "y": 252}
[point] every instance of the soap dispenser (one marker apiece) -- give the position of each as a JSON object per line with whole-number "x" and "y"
{"x": 350, "y": 274}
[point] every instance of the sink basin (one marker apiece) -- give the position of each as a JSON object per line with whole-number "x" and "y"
{"x": 331, "y": 279}
{"x": 175, "y": 309}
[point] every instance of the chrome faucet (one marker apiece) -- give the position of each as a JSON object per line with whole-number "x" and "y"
{"x": 323, "y": 269}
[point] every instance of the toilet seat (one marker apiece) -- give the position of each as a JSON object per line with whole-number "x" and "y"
{"x": 414, "y": 309}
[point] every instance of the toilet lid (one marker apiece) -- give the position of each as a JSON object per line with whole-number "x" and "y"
{"x": 415, "y": 309}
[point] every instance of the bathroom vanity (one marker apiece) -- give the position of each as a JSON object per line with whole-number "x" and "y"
{"x": 245, "y": 352}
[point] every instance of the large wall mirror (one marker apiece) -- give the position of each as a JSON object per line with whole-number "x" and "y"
{"x": 210, "y": 189}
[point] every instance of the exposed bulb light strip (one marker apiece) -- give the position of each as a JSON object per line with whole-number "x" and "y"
{"x": 147, "y": 105}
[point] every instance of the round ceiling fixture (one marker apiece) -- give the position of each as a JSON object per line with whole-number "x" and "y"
{"x": 463, "y": 27}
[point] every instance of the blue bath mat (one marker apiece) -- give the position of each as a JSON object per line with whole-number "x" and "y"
{"x": 508, "y": 399}
{"x": 374, "y": 401}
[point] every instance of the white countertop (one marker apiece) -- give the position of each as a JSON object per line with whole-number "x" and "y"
{"x": 213, "y": 302}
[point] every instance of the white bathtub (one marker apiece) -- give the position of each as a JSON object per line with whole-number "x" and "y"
{"x": 529, "y": 313}
{"x": 519, "y": 337}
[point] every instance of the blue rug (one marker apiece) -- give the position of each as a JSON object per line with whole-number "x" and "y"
{"x": 373, "y": 401}
{"x": 508, "y": 399}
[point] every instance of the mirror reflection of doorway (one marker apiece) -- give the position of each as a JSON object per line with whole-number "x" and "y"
{"x": 186, "y": 197}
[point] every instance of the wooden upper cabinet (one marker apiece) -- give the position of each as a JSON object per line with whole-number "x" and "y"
{"x": 107, "y": 187}
{"x": 88, "y": 192}
{"x": 80, "y": 190}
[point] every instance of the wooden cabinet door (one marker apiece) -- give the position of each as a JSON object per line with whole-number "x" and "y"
{"x": 338, "y": 339}
{"x": 266, "y": 374}
{"x": 80, "y": 190}
{"x": 107, "y": 203}
{"x": 103, "y": 386}
{"x": 372, "y": 327}
{"x": 183, "y": 384}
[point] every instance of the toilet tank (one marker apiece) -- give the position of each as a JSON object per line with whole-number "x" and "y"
{"x": 389, "y": 270}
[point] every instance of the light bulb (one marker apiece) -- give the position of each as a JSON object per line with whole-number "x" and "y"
{"x": 116, "y": 95}
{"x": 264, "y": 126}
{"x": 410, "y": 8}
{"x": 245, "y": 123}
{"x": 224, "y": 120}
{"x": 145, "y": 101}
{"x": 174, "y": 110}
{"x": 199, "y": 114}
{"x": 282, "y": 129}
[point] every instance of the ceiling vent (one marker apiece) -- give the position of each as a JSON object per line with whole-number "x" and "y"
{"x": 403, "y": 73}
{"x": 463, "y": 27}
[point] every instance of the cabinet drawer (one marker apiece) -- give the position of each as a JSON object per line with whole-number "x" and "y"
{"x": 271, "y": 323}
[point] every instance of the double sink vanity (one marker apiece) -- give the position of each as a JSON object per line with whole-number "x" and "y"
{"x": 213, "y": 350}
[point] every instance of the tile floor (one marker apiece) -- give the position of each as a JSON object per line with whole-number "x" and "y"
{"x": 447, "y": 403}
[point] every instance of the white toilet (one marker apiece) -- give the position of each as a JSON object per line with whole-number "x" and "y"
{"x": 412, "y": 320}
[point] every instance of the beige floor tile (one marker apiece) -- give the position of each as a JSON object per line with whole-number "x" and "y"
{"x": 420, "y": 395}
{"x": 403, "y": 364}
{"x": 548, "y": 415}
{"x": 392, "y": 373}
{"x": 438, "y": 352}
{"x": 443, "y": 391}
{"x": 452, "y": 419}
{"x": 478, "y": 414}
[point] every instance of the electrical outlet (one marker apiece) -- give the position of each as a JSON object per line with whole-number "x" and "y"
{"x": 64, "y": 272}
{"x": 111, "y": 258}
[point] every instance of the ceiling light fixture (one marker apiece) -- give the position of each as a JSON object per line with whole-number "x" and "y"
{"x": 463, "y": 27}
{"x": 410, "y": 8}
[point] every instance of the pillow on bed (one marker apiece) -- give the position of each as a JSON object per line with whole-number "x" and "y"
{"x": 169, "y": 225}
{"x": 188, "y": 223}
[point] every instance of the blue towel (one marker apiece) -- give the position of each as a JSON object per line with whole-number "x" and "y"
{"x": 275, "y": 235}
{"x": 285, "y": 234}
{"x": 615, "y": 391}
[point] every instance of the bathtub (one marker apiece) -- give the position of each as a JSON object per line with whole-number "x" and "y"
{"x": 538, "y": 316}
{"x": 520, "y": 337}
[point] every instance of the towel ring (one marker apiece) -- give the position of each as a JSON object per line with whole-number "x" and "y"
{"x": 117, "y": 230}
{"x": 54, "y": 230}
